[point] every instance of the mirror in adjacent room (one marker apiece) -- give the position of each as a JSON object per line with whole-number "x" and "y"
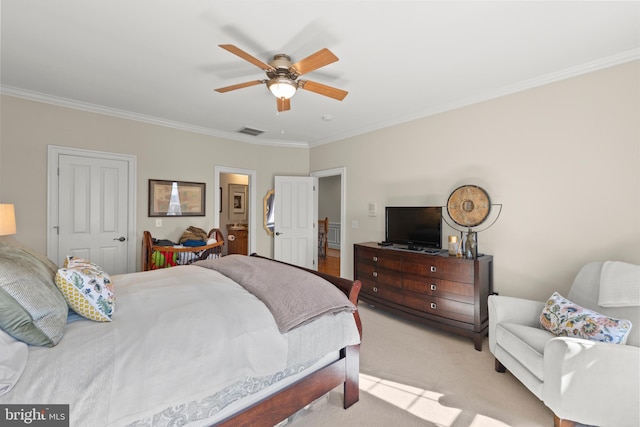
{"x": 268, "y": 202}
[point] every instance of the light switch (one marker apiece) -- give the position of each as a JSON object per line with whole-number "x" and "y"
{"x": 158, "y": 222}
{"x": 373, "y": 209}
{"x": 354, "y": 223}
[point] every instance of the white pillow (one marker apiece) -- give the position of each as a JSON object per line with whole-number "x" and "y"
{"x": 13, "y": 359}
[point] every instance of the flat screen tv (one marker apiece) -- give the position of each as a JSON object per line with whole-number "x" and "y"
{"x": 417, "y": 227}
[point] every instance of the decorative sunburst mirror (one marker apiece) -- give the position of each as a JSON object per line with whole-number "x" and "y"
{"x": 469, "y": 206}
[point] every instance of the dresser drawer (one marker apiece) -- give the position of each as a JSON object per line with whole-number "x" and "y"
{"x": 462, "y": 292}
{"x": 376, "y": 290}
{"x": 366, "y": 256}
{"x": 456, "y": 291}
{"x": 456, "y": 269}
{"x": 389, "y": 262}
{"x": 365, "y": 271}
{"x": 384, "y": 259}
{"x": 418, "y": 301}
{"x": 389, "y": 277}
{"x": 442, "y": 307}
{"x": 379, "y": 275}
{"x": 459, "y": 270}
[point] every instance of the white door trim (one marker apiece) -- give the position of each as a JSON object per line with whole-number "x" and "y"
{"x": 53, "y": 152}
{"x": 342, "y": 171}
{"x": 253, "y": 205}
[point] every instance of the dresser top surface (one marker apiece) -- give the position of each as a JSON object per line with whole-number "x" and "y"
{"x": 443, "y": 253}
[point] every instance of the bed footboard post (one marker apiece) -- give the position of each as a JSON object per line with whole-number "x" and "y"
{"x": 352, "y": 377}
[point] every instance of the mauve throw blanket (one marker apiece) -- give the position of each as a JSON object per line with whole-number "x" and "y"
{"x": 294, "y": 296}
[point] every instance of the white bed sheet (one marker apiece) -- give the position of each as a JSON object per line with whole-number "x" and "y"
{"x": 177, "y": 335}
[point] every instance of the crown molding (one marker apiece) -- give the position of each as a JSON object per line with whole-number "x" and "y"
{"x": 589, "y": 67}
{"x": 123, "y": 114}
{"x": 624, "y": 57}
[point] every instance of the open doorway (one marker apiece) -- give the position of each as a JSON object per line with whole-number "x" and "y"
{"x": 235, "y": 208}
{"x": 331, "y": 206}
{"x": 234, "y": 213}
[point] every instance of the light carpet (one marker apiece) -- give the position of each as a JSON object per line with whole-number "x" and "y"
{"x": 415, "y": 375}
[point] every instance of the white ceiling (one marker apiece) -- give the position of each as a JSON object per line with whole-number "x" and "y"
{"x": 159, "y": 60}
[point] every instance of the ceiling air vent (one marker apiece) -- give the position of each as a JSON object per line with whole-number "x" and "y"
{"x": 251, "y": 131}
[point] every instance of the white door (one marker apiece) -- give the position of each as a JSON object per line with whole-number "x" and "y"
{"x": 93, "y": 211}
{"x": 296, "y": 221}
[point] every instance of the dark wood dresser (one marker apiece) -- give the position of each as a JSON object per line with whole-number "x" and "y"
{"x": 439, "y": 290}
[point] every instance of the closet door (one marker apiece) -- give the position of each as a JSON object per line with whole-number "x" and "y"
{"x": 93, "y": 204}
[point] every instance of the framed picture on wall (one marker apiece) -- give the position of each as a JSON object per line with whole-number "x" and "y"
{"x": 176, "y": 198}
{"x": 237, "y": 201}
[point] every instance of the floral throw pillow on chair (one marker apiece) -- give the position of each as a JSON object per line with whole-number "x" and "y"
{"x": 565, "y": 318}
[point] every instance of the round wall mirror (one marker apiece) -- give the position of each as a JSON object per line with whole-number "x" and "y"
{"x": 269, "y": 220}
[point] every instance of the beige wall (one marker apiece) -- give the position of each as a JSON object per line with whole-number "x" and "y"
{"x": 562, "y": 159}
{"x": 27, "y": 128}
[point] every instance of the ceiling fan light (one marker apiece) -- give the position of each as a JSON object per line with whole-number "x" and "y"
{"x": 282, "y": 87}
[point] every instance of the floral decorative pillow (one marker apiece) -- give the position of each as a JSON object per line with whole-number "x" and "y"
{"x": 87, "y": 289}
{"x": 565, "y": 318}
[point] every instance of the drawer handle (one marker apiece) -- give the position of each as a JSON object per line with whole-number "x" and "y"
{"x": 433, "y": 306}
{"x": 375, "y": 274}
{"x": 433, "y": 268}
{"x": 375, "y": 259}
{"x": 433, "y": 287}
{"x": 375, "y": 289}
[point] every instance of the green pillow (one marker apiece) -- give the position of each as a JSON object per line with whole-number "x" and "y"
{"x": 33, "y": 310}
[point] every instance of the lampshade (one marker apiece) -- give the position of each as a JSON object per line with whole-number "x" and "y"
{"x": 282, "y": 87}
{"x": 7, "y": 219}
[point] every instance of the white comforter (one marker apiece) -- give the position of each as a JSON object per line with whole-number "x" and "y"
{"x": 177, "y": 335}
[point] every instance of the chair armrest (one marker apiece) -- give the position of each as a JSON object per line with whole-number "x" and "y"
{"x": 592, "y": 382}
{"x": 503, "y": 309}
{"x": 515, "y": 310}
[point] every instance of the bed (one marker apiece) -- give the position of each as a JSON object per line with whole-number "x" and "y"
{"x": 212, "y": 343}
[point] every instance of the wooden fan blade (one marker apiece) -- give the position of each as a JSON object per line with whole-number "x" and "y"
{"x": 239, "y": 86}
{"x": 247, "y": 57}
{"x": 321, "y": 89}
{"x": 313, "y": 62}
{"x": 283, "y": 104}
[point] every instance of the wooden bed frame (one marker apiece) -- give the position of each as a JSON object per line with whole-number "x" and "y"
{"x": 148, "y": 248}
{"x": 291, "y": 399}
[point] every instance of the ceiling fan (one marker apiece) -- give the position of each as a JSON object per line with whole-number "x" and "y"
{"x": 282, "y": 75}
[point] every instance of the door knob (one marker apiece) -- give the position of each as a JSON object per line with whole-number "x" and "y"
{"x": 278, "y": 233}
{"x": 122, "y": 239}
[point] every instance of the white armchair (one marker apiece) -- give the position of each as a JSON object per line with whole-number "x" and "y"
{"x": 581, "y": 381}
